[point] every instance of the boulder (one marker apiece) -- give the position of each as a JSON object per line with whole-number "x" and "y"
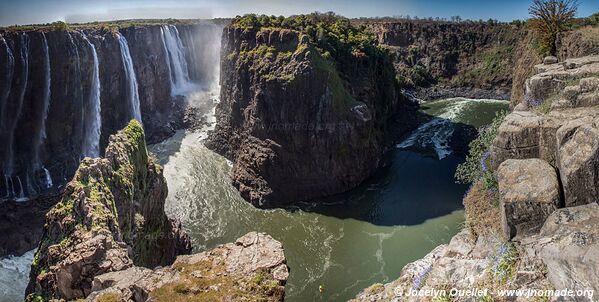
{"x": 524, "y": 134}
{"x": 549, "y": 60}
{"x": 529, "y": 193}
{"x": 568, "y": 244}
{"x": 578, "y": 162}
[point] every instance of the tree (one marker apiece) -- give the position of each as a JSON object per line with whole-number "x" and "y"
{"x": 549, "y": 18}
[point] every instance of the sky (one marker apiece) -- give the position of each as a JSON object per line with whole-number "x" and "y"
{"x": 72, "y": 11}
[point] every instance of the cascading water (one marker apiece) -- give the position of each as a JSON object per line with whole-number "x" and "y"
{"x": 48, "y": 180}
{"x": 176, "y": 60}
{"x": 131, "y": 79}
{"x": 12, "y": 127}
{"x": 10, "y": 59}
{"x": 93, "y": 125}
{"x": 42, "y": 135}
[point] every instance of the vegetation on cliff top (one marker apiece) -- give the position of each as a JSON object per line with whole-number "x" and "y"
{"x": 549, "y": 19}
{"x": 333, "y": 35}
{"x": 106, "y": 25}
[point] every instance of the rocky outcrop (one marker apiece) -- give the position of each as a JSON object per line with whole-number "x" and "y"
{"x": 253, "y": 268}
{"x": 296, "y": 123}
{"x": 566, "y": 135}
{"x": 47, "y": 93}
{"x": 567, "y": 245}
{"x": 111, "y": 217}
{"x": 562, "y": 256}
{"x": 529, "y": 192}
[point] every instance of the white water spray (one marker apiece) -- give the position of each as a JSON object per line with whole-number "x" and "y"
{"x": 179, "y": 73}
{"x": 93, "y": 124}
{"x": 131, "y": 79}
{"x": 21, "y": 196}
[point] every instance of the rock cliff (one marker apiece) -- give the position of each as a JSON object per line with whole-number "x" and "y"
{"x": 298, "y": 120}
{"x": 111, "y": 217}
{"x": 472, "y": 59}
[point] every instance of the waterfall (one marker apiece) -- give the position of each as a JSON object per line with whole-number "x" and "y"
{"x": 40, "y": 136}
{"x": 10, "y": 59}
{"x": 130, "y": 75}
{"x": 78, "y": 84}
{"x": 9, "y": 160}
{"x": 93, "y": 122}
{"x": 48, "y": 179}
{"x": 21, "y": 196}
{"x": 176, "y": 60}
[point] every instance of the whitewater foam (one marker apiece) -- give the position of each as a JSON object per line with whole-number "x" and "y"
{"x": 437, "y": 133}
{"x": 14, "y": 276}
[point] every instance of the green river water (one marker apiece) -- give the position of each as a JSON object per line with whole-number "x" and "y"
{"x": 347, "y": 242}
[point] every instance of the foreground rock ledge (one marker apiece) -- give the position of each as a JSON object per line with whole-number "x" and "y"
{"x": 251, "y": 269}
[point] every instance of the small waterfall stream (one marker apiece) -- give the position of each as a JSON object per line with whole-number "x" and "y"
{"x": 41, "y": 134}
{"x": 131, "y": 79}
{"x": 6, "y": 89}
{"x": 93, "y": 120}
{"x": 176, "y": 60}
{"x": 9, "y": 161}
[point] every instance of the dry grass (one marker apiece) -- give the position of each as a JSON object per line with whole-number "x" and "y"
{"x": 482, "y": 211}
{"x": 207, "y": 281}
{"x": 590, "y": 33}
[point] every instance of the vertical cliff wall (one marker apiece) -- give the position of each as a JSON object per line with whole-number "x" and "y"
{"x": 300, "y": 122}
{"x": 63, "y": 92}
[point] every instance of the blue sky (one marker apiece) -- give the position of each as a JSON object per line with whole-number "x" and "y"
{"x": 31, "y": 11}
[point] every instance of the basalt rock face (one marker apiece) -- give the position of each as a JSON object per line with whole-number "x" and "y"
{"x": 111, "y": 217}
{"x": 474, "y": 55}
{"x": 298, "y": 125}
{"x": 47, "y": 94}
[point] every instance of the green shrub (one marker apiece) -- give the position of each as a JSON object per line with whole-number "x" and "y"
{"x": 477, "y": 165}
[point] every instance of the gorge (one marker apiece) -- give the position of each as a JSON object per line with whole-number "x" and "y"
{"x": 302, "y": 163}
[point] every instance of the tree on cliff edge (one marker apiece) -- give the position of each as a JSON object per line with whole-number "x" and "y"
{"x": 549, "y": 18}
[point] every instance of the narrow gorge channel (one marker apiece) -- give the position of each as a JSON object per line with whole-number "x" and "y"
{"x": 347, "y": 242}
